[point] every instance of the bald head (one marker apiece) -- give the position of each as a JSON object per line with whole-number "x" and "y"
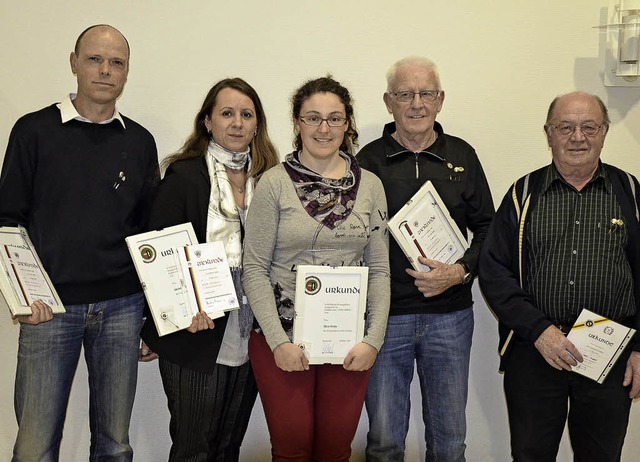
{"x": 579, "y": 95}
{"x": 103, "y": 27}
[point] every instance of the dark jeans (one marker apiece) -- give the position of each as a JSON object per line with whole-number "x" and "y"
{"x": 539, "y": 399}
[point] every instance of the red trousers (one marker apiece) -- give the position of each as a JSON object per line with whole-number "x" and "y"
{"x": 312, "y": 415}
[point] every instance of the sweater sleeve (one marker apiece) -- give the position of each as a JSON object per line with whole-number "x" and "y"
{"x": 376, "y": 256}
{"x": 260, "y": 239}
{"x": 18, "y": 176}
{"x": 151, "y": 181}
{"x": 479, "y": 212}
{"x": 500, "y": 278}
{"x": 168, "y": 207}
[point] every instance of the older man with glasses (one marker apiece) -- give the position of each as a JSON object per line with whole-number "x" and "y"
{"x": 430, "y": 318}
{"x": 566, "y": 237}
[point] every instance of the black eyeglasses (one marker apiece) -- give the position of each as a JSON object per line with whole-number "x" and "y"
{"x": 316, "y": 121}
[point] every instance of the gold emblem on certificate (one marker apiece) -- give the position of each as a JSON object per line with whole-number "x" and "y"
{"x": 329, "y": 311}
{"x": 600, "y": 341}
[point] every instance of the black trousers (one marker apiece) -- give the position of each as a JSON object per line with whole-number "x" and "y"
{"x": 209, "y": 411}
{"x": 541, "y": 398}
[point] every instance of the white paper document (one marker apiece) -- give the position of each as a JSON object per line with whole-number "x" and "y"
{"x": 179, "y": 283}
{"x": 23, "y": 279}
{"x": 155, "y": 257}
{"x": 424, "y": 227}
{"x": 329, "y": 311}
{"x": 206, "y": 266}
{"x": 600, "y": 341}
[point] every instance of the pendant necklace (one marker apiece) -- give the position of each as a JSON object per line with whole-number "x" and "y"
{"x": 239, "y": 188}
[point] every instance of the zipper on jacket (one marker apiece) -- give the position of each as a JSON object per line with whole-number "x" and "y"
{"x": 415, "y": 156}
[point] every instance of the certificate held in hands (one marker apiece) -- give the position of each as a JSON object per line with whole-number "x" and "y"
{"x": 177, "y": 282}
{"x": 23, "y": 279}
{"x": 600, "y": 341}
{"x": 329, "y": 311}
{"x": 206, "y": 266}
{"x": 424, "y": 227}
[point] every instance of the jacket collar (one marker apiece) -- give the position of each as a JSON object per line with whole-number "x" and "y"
{"x": 396, "y": 149}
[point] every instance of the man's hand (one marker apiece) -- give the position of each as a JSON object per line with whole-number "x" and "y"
{"x": 201, "y": 321}
{"x": 40, "y": 312}
{"x": 557, "y": 350}
{"x": 440, "y": 278}
{"x": 360, "y": 358}
{"x": 632, "y": 375}
{"x": 290, "y": 357}
{"x": 145, "y": 354}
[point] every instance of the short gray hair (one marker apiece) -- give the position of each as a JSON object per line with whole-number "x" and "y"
{"x": 415, "y": 61}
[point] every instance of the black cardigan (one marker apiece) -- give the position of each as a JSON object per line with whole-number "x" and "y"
{"x": 183, "y": 196}
{"x": 499, "y": 273}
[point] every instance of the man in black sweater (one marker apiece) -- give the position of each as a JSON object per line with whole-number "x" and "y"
{"x": 79, "y": 177}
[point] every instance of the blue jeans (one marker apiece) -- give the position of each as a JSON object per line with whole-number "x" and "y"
{"x": 48, "y": 356}
{"x": 440, "y": 345}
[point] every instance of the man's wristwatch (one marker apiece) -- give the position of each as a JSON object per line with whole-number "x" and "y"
{"x": 467, "y": 273}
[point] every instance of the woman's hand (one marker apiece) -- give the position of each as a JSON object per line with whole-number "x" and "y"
{"x": 40, "y": 312}
{"x": 290, "y": 358}
{"x": 200, "y": 321}
{"x": 360, "y": 358}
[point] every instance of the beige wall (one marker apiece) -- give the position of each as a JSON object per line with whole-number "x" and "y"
{"x": 501, "y": 63}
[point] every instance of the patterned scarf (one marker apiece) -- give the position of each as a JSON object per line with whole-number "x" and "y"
{"x": 329, "y": 201}
{"x": 231, "y": 159}
{"x": 223, "y": 219}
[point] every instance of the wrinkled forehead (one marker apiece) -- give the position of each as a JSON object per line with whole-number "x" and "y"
{"x": 577, "y": 107}
{"x": 415, "y": 77}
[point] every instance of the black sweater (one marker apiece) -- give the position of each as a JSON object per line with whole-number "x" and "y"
{"x": 62, "y": 182}
{"x": 503, "y": 254}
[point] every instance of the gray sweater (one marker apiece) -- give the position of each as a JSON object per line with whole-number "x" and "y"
{"x": 280, "y": 235}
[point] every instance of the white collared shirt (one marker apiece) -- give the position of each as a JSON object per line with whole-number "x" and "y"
{"x": 69, "y": 112}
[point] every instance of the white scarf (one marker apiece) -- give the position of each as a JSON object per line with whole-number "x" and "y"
{"x": 223, "y": 220}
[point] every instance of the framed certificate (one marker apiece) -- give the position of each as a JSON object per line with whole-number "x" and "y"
{"x": 329, "y": 311}
{"x": 23, "y": 279}
{"x": 424, "y": 227}
{"x": 181, "y": 277}
{"x": 155, "y": 257}
{"x": 600, "y": 341}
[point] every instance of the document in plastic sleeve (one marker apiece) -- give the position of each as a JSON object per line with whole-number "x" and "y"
{"x": 168, "y": 289}
{"x": 424, "y": 227}
{"x": 330, "y": 308}
{"x": 155, "y": 257}
{"x": 206, "y": 266}
{"x": 23, "y": 279}
{"x": 600, "y": 341}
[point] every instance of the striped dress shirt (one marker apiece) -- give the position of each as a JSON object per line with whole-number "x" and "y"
{"x": 577, "y": 242}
